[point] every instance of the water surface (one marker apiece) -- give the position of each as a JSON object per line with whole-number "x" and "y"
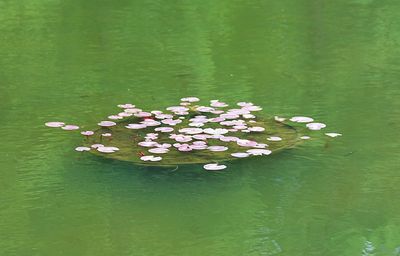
{"x": 337, "y": 61}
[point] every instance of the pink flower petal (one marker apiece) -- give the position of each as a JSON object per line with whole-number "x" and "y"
{"x": 190, "y": 99}
{"x": 258, "y": 152}
{"x": 315, "y": 126}
{"x": 136, "y": 126}
{"x": 256, "y": 129}
{"x": 159, "y": 150}
{"x": 240, "y": 155}
{"x": 70, "y": 127}
{"x": 301, "y": 119}
{"x": 81, "y": 149}
{"x": 87, "y": 133}
{"x": 214, "y": 167}
{"x": 54, "y": 124}
{"x": 106, "y": 123}
{"x": 217, "y": 148}
{"x": 274, "y": 138}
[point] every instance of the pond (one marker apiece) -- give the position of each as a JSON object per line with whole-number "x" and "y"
{"x": 336, "y": 61}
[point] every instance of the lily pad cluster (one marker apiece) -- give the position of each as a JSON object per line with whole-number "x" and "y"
{"x": 190, "y": 133}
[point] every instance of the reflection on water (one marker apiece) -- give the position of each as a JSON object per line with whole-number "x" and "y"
{"x": 72, "y": 61}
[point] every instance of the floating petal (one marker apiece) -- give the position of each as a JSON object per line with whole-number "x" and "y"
{"x": 159, "y": 150}
{"x": 81, "y": 149}
{"x": 301, "y": 119}
{"x": 107, "y": 149}
{"x": 190, "y": 99}
{"x": 191, "y": 130}
{"x": 115, "y": 117}
{"x": 214, "y": 167}
{"x": 136, "y": 126}
{"x": 87, "y": 133}
{"x": 315, "y": 126}
{"x": 259, "y": 152}
{"x": 215, "y": 131}
{"x": 70, "y": 127}
{"x": 274, "y": 138}
{"x": 164, "y": 129}
{"x": 54, "y": 124}
{"x": 333, "y": 134}
{"x": 217, "y": 148}
{"x": 107, "y": 123}
{"x": 147, "y": 143}
{"x": 256, "y": 129}
{"x": 240, "y": 155}
{"x": 279, "y": 119}
{"x": 97, "y": 145}
{"x": 151, "y": 158}
{"x": 127, "y": 105}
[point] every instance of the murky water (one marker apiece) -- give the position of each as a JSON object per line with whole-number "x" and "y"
{"x": 337, "y": 61}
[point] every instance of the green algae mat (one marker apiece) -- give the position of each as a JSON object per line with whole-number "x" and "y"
{"x": 190, "y": 133}
{"x": 127, "y": 141}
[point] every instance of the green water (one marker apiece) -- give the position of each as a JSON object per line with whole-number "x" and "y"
{"x": 74, "y": 60}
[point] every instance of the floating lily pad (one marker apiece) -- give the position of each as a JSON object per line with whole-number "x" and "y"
{"x": 127, "y": 140}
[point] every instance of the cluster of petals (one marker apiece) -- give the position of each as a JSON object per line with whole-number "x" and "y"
{"x": 211, "y": 125}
